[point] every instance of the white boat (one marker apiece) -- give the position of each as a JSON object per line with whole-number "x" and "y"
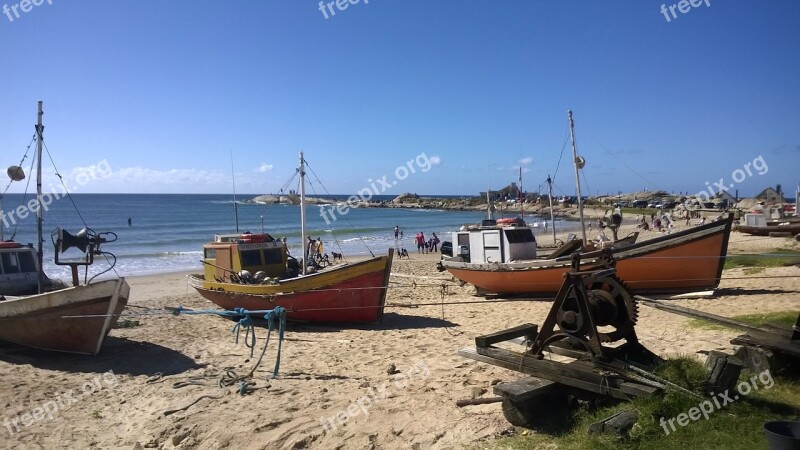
{"x": 73, "y": 319}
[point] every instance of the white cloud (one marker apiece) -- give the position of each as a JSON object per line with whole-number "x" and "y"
{"x": 264, "y": 167}
{"x": 143, "y": 175}
{"x": 525, "y": 161}
{"x": 435, "y": 159}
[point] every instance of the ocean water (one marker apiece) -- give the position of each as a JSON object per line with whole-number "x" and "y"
{"x": 168, "y": 231}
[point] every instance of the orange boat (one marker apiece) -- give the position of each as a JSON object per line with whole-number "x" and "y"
{"x": 687, "y": 261}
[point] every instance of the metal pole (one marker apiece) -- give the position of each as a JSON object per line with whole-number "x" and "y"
{"x": 552, "y": 215}
{"x": 303, "y": 212}
{"x": 521, "y": 196}
{"x": 235, "y": 205}
{"x": 577, "y": 176}
{"x": 39, "y": 250}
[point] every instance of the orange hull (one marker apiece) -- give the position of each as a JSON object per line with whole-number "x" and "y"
{"x": 688, "y": 261}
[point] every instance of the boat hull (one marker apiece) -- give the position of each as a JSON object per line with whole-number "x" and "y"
{"x": 793, "y": 228}
{"x": 688, "y": 261}
{"x": 47, "y": 321}
{"x": 352, "y": 293}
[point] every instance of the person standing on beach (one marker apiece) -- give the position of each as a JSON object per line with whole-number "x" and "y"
{"x": 396, "y": 232}
{"x": 319, "y": 247}
{"x": 420, "y": 242}
{"x": 434, "y": 243}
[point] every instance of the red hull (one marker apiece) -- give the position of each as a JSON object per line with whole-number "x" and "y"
{"x": 356, "y": 300}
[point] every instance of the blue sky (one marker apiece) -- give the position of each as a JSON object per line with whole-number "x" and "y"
{"x": 164, "y": 92}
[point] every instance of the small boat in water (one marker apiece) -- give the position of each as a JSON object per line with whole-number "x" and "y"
{"x": 256, "y": 272}
{"x": 54, "y": 317}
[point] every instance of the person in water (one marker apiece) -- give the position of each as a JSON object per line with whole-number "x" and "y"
{"x": 130, "y": 221}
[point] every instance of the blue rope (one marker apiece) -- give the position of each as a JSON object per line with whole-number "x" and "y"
{"x": 270, "y": 315}
{"x": 250, "y": 332}
{"x": 278, "y": 313}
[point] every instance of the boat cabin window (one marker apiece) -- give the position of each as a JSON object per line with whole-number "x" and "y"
{"x": 273, "y": 256}
{"x": 251, "y": 258}
{"x": 26, "y": 262}
{"x": 210, "y": 253}
{"x": 10, "y": 263}
{"x": 463, "y": 239}
{"x": 16, "y": 262}
{"x": 519, "y": 236}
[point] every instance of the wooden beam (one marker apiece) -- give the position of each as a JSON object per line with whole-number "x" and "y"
{"x": 527, "y": 331}
{"x": 695, "y": 314}
{"x": 578, "y": 374}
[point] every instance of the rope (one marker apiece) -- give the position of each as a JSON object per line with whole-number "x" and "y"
{"x": 229, "y": 378}
{"x": 278, "y": 314}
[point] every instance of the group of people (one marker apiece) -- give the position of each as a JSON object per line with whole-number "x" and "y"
{"x": 430, "y": 245}
{"x": 314, "y": 249}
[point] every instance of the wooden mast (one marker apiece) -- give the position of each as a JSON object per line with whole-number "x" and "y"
{"x": 578, "y": 163}
{"x": 39, "y": 251}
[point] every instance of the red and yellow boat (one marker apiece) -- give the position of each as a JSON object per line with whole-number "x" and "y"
{"x": 687, "y": 261}
{"x": 255, "y": 272}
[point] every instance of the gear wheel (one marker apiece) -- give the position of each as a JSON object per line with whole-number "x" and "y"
{"x": 612, "y": 302}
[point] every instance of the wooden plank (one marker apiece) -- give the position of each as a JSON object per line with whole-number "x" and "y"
{"x": 619, "y": 424}
{"x": 527, "y": 331}
{"x": 768, "y": 341}
{"x": 525, "y": 389}
{"x": 578, "y": 374}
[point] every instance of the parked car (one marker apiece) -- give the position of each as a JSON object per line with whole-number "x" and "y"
{"x": 447, "y": 248}
{"x": 639, "y": 203}
{"x": 669, "y": 205}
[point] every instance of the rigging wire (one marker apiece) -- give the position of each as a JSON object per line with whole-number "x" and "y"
{"x": 24, "y": 157}
{"x": 645, "y": 179}
{"x": 563, "y": 146}
{"x": 332, "y": 229}
{"x": 27, "y": 184}
{"x": 343, "y": 215}
{"x": 75, "y": 206}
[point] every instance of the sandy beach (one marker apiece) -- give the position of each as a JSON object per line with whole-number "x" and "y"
{"x": 335, "y": 390}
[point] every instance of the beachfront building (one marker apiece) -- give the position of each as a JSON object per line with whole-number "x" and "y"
{"x": 771, "y": 196}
